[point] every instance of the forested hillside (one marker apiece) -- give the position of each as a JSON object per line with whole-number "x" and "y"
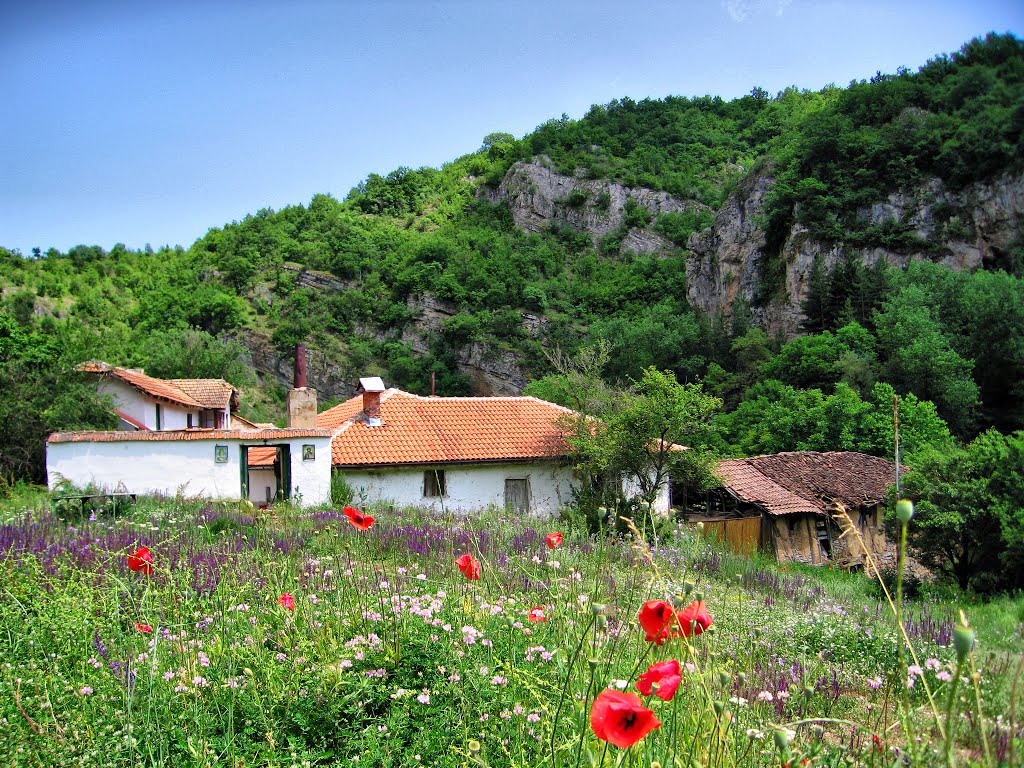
{"x": 449, "y": 272}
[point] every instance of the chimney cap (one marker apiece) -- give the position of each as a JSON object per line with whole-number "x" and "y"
{"x": 371, "y": 384}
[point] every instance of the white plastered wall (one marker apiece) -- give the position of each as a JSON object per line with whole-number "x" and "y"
{"x": 165, "y": 466}
{"x": 663, "y": 501}
{"x": 470, "y": 487}
{"x": 133, "y": 403}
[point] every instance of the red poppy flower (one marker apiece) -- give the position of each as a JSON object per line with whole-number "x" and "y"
{"x": 553, "y": 539}
{"x": 287, "y": 601}
{"x": 664, "y": 674}
{"x": 144, "y": 628}
{"x": 695, "y": 618}
{"x": 141, "y": 560}
{"x": 536, "y": 614}
{"x": 659, "y": 621}
{"x": 469, "y": 566}
{"x": 357, "y": 518}
{"x": 621, "y": 718}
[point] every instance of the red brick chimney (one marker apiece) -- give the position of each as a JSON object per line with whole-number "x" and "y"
{"x": 371, "y": 387}
{"x": 301, "y": 399}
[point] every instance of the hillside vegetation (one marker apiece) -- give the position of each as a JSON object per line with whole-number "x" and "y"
{"x": 349, "y": 277}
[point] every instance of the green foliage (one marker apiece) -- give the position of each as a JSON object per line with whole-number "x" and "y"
{"x": 956, "y": 118}
{"x": 42, "y": 393}
{"x": 968, "y": 522}
{"x": 189, "y": 353}
{"x": 678, "y": 227}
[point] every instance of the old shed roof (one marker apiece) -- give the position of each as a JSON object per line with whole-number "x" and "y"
{"x": 804, "y": 481}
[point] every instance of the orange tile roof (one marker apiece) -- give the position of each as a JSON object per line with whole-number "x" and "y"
{"x": 154, "y": 387}
{"x": 262, "y": 456}
{"x": 210, "y": 393}
{"x": 195, "y": 393}
{"x": 802, "y": 481}
{"x": 185, "y": 434}
{"x": 432, "y": 430}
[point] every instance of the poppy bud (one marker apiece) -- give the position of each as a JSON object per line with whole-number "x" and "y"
{"x": 719, "y": 708}
{"x": 742, "y": 677}
{"x": 688, "y": 586}
{"x": 808, "y": 692}
{"x": 963, "y": 641}
{"x": 724, "y": 679}
{"x": 904, "y": 510}
{"x": 592, "y": 663}
{"x": 597, "y": 609}
{"x": 782, "y": 739}
{"x": 474, "y": 746}
{"x": 699, "y": 596}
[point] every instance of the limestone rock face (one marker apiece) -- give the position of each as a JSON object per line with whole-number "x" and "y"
{"x": 965, "y": 229}
{"x": 492, "y": 371}
{"x": 323, "y": 372}
{"x": 538, "y": 197}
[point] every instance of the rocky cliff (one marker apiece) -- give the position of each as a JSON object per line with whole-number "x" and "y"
{"x": 964, "y": 229}
{"x": 538, "y": 197}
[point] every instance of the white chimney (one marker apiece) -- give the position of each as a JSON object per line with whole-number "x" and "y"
{"x": 371, "y": 387}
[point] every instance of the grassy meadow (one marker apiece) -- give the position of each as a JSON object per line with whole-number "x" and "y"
{"x": 298, "y": 639}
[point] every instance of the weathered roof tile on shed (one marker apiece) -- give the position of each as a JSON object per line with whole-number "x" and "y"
{"x": 801, "y": 481}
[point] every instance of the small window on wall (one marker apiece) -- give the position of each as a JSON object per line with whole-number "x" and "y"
{"x": 434, "y": 484}
{"x": 158, "y": 417}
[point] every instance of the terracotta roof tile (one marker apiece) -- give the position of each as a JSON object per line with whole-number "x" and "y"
{"x": 430, "y": 430}
{"x": 151, "y": 386}
{"x": 262, "y": 456}
{"x": 186, "y": 434}
{"x": 210, "y": 393}
{"x": 799, "y": 482}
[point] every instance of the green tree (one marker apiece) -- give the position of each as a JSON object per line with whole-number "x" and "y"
{"x": 42, "y": 393}
{"x": 969, "y": 525}
{"x": 645, "y": 427}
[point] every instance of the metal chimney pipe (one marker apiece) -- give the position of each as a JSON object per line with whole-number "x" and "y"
{"x": 300, "y": 366}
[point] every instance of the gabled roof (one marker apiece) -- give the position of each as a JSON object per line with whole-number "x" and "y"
{"x": 436, "y": 430}
{"x": 210, "y": 393}
{"x": 804, "y": 481}
{"x": 192, "y": 393}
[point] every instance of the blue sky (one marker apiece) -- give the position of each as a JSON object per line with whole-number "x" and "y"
{"x": 151, "y": 122}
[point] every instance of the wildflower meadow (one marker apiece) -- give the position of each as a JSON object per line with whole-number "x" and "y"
{"x": 180, "y": 633}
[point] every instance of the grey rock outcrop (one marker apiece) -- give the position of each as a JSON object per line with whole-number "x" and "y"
{"x": 965, "y": 229}
{"x": 491, "y": 371}
{"x": 538, "y": 197}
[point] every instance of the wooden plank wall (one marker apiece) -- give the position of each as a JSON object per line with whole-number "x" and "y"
{"x": 742, "y": 536}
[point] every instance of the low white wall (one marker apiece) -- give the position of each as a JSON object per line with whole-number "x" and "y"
{"x": 469, "y": 487}
{"x": 165, "y": 466}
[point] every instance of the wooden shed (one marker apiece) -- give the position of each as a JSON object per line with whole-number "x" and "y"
{"x": 793, "y": 496}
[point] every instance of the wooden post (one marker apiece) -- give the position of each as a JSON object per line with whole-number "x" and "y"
{"x": 896, "y": 438}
